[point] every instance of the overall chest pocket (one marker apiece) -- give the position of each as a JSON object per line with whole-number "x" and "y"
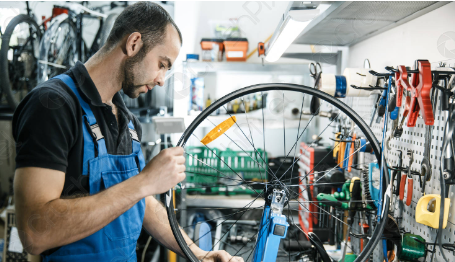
{"x": 129, "y": 224}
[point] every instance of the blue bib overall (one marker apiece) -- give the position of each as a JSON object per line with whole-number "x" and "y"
{"x": 117, "y": 240}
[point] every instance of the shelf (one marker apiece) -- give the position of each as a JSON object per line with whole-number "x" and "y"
{"x": 238, "y": 201}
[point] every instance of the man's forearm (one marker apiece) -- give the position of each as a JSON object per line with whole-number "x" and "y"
{"x": 157, "y": 224}
{"x": 64, "y": 221}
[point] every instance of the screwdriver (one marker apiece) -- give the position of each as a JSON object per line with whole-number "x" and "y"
{"x": 329, "y": 200}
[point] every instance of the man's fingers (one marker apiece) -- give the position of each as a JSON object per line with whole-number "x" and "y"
{"x": 177, "y": 151}
{"x": 239, "y": 259}
{"x": 225, "y": 257}
{"x": 181, "y": 168}
{"x": 180, "y": 159}
{"x": 235, "y": 259}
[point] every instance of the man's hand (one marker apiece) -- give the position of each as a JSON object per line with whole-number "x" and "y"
{"x": 164, "y": 171}
{"x": 217, "y": 256}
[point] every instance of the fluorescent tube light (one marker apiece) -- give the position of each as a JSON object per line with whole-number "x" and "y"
{"x": 291, "y": 29}
{"x": 296, "y": 20}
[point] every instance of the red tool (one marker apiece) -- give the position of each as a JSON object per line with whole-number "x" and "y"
{"x": 420, "y": 95}
{"x": 409, "y": 190}
{"x": 401, "y": 79}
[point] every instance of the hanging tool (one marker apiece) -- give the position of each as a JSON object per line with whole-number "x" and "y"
{"x": 315, "y": 72}
{"x": 420, "y": 94}
{"x": 337, "y": 147}
{"x": 446, "y": 164}
{"x": 261, "y": 51}
{"x": 396, "y": 175}
{"x": 399, "y": 130}
{"x": 425, "y": 167}
{"x": 374, "y": 177}
{"x": 431, "y": 218}
{"x": 219, "y": 130}
{"x": 354, "y": 203}
{"x": 401, "y": 81}
{"x": 410, "y": 182}
{"x": 330, "y": 200}
{"x": 392, "y": 108}
{"x": 411, "y": 248}
{"x": 381, "y": 106}
{"x": 351, "y": 154}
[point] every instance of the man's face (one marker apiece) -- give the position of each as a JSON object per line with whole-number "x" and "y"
{"x": 143, "y": 74}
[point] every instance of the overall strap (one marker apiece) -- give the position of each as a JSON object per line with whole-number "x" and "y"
{"x": 89, "y": 135}
{"x": 136, "y": 145}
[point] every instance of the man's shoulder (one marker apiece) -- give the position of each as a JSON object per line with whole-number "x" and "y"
{"x": 53, "y": 94}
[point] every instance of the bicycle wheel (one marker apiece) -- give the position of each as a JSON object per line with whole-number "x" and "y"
{"x": 107, "y": 27}
{"x": 58, "y": 48}
{"x": 236, "y": 162}
{"x": 18, "y": 58}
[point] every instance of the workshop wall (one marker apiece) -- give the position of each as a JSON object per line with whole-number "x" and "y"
{"x": 430, "y": 36}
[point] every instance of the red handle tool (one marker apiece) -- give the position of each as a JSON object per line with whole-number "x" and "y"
{"x": 409, "y": 190}
{"x": 401, "y": 79}
{"x": 402, "y": 184}
{"x": 409, "y": 195}
{"x": 420, "y": 95}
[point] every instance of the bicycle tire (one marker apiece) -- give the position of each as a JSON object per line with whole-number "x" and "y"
{"x": 378, "y": 229}
{"x": 43, "y": 73}
{"x": 107, "y": 27}
{"x": 4, "y": 67}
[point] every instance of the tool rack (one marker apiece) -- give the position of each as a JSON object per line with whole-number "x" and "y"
{"x": 412, "y": 138}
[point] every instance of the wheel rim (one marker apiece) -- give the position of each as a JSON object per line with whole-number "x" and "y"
{"x": 189, "y": 133}
{"x": 21, "y": 45}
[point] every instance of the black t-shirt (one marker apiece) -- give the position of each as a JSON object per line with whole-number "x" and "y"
{"x": 47, "y": 128}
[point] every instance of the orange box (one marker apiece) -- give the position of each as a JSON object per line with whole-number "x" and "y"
{"x": 236, "y": 49}
{"x": 206, "y": 43}
{"x": 207, "y": 46}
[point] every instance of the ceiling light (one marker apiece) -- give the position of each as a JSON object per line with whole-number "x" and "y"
{"x": 295, "y": 22}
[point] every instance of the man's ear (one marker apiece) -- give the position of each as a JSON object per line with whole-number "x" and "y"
{"x": 133, "y": 44}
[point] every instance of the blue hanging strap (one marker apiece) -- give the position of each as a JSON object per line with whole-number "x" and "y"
{"x": 94, "y": 132}
{"x": 136, "y": 145}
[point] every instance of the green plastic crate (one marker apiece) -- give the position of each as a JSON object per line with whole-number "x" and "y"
{"x": 244, "y": 164}
{"x": 196, "y": 171}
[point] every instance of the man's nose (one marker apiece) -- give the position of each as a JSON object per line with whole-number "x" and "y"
{"x": 160, "y": 78}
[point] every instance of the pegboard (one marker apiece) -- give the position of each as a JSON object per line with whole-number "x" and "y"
{"x": 412, "y": 138}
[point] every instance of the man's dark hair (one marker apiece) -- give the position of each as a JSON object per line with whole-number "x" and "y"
{"x": 147, "y": 18}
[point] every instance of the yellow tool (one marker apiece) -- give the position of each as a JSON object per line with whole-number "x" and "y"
{"x": 337, "y": 147}
{"x": 219, "y": 130}
{"x": 431, "y": 219}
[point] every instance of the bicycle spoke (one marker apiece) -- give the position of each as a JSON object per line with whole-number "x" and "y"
{"x": 252, "y": 140}
{"x": 227, "y": 230}
{"x": 251, "y": 203}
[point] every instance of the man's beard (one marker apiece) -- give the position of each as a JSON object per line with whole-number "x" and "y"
{"x": 128, "y": 86}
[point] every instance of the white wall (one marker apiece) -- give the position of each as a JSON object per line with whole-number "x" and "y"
{"x": 431, "y": 36}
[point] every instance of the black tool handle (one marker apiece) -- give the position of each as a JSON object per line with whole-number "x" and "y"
{"x": 356, "y": 195}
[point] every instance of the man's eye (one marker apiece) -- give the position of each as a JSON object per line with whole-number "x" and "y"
{"x": 162, "y": 65}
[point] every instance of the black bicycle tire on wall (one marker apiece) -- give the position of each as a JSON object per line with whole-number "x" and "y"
{"x": 167, "y": 197}
{"x": 5, "y": 84}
